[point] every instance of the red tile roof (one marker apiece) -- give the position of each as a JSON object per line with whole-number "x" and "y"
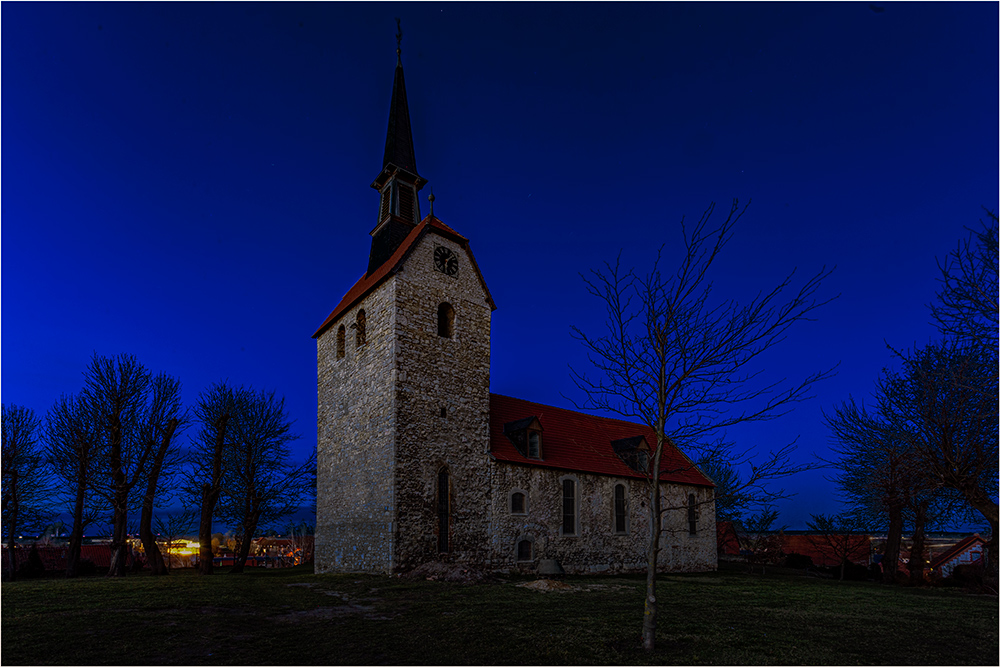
{"x": 823, "y": 554}
{"x": 582, "y": 443}
{"x": 956, "y": 550}
{"x": 368, "y": 282}
{"x": 728, "y": 540}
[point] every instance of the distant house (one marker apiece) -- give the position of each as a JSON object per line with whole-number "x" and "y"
{"x": 969, "y": 550}
{"x": 728, "y": 540}
{"x": 805, "y": 543}
{"x": 827, "y": 551}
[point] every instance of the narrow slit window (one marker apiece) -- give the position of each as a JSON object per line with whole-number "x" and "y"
{"x": 360, "y": 329}
{"x": 621, "y": 525}
{"x": 443, "y": 508}
{"x": 341, "y": 341}
{"x": 446, "y": 320}
{"x": 569, "y": 507}
{"x": 692, "y": 515}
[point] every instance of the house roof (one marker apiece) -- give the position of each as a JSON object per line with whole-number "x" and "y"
{"x": 956, "y": 550}
{"x": 365, "y": 284}
{"x": 822, "y": 553}
{"x": 579, "y": 442}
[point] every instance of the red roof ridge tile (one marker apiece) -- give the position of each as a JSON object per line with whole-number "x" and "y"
{"x": 368, "y": 282}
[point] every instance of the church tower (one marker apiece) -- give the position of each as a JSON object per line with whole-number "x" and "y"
{"x": 403, "y": 371}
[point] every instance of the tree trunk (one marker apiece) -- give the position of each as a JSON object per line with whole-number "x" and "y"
{"x": 652, "y": 555}
{"x": 916, "y": 564}
{"x": 119, "y": 542}
{"x": 649, "y": 616}
{"x": 209, "y": 497}
{"x": 76, "y": 537}
{"x": 890, "y": 555}
{"x": 249, "y": 528}
{"x": 153, "y": 556}
{"x": 119, "y": 535}
{"x": 12, "y": 528}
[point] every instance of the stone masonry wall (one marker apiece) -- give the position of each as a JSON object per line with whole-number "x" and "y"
{"x": 355, "y": 441}
{"x": 434, "y": 373}
{"x": 596, "y": 547}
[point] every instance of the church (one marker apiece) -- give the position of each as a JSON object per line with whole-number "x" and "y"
{"x": 417, "y": 461}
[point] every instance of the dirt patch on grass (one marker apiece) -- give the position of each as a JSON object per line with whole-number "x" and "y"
{"x": 459, "y": 574}
{"x": 366, "y": 612}
{"x": 547, "y": 586}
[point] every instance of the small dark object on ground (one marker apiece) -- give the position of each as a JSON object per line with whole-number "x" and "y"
{"x": 549, "y": 568}
{"x": 799, "y": 561}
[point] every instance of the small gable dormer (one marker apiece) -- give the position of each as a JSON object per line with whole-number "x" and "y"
{"x": 526, "y": 436}
{"x": 634, "y": 452}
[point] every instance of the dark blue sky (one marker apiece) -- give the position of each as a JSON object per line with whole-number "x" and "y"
{"x": 189, "y": 182}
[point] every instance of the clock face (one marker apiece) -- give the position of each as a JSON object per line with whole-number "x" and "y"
{"x": 445, "y": 261}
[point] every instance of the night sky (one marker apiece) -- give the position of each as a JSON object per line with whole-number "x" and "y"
{"x": 189, "y": 182}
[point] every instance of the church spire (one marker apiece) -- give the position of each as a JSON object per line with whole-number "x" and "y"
{"x": 398, "y": 182}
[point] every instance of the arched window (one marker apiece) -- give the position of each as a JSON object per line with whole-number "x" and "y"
{"x": 341, "y": 341}
{"x": 621, "y": 510}
{"x": 360, "y": 336}
{"x": 443, "y": 509}
{"x": 569, "y": 505}
{"x": 518, "y": 502}
{"x": 446, "y": 320}
{"x": 692, "y": 515}
{"x": 524, "y": 550}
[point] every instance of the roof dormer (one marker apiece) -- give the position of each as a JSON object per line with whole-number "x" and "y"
{"x": 526, "y": 436}
{"x": 634, "y": 452}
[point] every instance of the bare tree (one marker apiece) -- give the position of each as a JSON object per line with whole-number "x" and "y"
{"x": 944, "y": 404}
{"x": 877, "y": 474}
{"x": 132, "y": 411}
{"x": 684, "y": 365}
{"x": 260, "y": 484}
{"x": 172, "y": 527}
{"x": 204, "y": 481}
{"x": 732, "y": 497}
{"x": 967, "y": 306}
{"x": 72, "y": 448}
{"x": 760, "y": 543}
{"x": 841, "y": 536}
{"x": 26, "y": 478}
{"x": 158, "y": 431}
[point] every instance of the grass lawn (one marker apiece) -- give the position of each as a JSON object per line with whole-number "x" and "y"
{"x": 291, "y": 616}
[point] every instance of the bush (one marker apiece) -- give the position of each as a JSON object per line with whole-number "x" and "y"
{"x": 967, "y": 575}
{"x": 33, "y": 567}
{"x": 855, "y": 572}
{"x": 86, "y": 568}
{"x": 798, "y": 561}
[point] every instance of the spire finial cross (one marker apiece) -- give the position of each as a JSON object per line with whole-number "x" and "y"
{"x": 431, "y": 200}
{"x": 399, "y": 42}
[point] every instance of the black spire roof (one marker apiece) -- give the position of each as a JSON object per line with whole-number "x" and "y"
{"x": 399, "y": 138}
{"x": 398, "y": 183}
